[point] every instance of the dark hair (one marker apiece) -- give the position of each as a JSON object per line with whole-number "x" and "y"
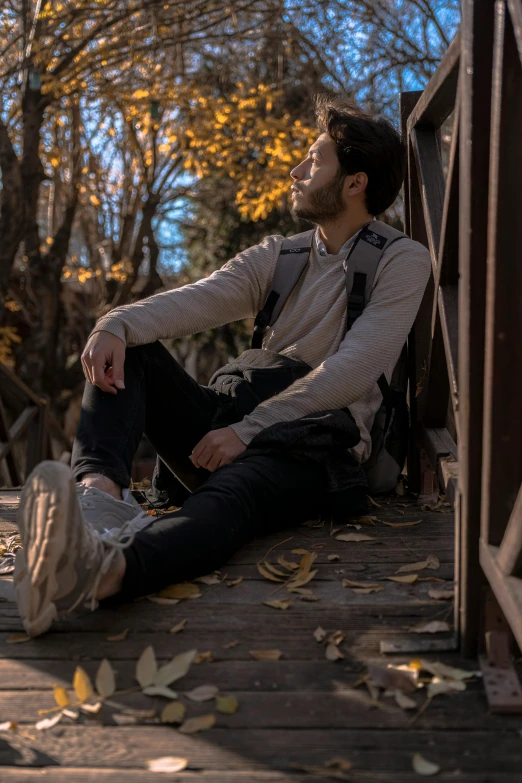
{"x": 364, "y": 143}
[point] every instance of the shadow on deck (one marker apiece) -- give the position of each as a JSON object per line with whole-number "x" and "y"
{"x": 299, "y": 710}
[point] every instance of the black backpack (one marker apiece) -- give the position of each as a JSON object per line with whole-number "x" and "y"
{"x": 390, "y": 428}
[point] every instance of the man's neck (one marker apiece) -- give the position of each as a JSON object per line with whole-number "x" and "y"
{"x": 336, "y": 233}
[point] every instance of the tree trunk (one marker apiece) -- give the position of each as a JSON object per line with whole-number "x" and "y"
{"x": 12, "y": 212}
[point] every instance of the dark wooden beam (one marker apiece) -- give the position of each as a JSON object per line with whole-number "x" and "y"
{"x": 438, "y": 99}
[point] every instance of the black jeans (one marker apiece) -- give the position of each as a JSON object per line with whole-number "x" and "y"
{"x": 249, "y": 497}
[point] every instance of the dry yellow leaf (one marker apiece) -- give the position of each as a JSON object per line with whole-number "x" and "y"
{"x": 336, "y": 638}
{"x": 432, "y": 561}
{"x": 105, "y": 680}
{"x": 267, "y": 574}
{"x": 431, "y": 579}
{"x": 174, "y": 670}
{"x": 179, "y": 627}
{"x": 365, "y": 520}
{"x": 146, "y": 667}
{"x": 288, "y": 564}
{"x": 438, "y": 686}
{"x": 406, "y": 579}
{"x": 433, "y": 626}
{"x": 333, "y": 557}
{"x": 354, "y": 537}
{"x": 266, "y": 655}
{"x": 167, "y": 764}
{"x": 17, "y": 638}
{"x": 402, "y": 524}
{"x": 366, "y": 585}
{"x": 203, "y": 693}
{"x": 366, "y": 590}
{"x": 278, "y": 604}
{"x": 441, "y": 595}
{"x": 333, "y": 653}
{"x": 445, "y": 671}
{"x": 61, "y": 696}
{"x": 204, "y": 656}
{"x": 160, "y": 690}
{"x": 156, "y": 599}
{"x": 48, "y": 723}
{"x": 231, "y": 644}
{"x": 424, "y": 767}
{"x": 8, "y": 725}
{"x": 235, "y": 582}
{"x": 300, "y": 552}
{"x": 181, "y": 590}
{"x": 211, "y": 579}
{"x": 118, "y": 637}
{"x": 319, "y": 634}
{"x": 173, "y": 712}
{"x": 274, "y": 570}
{"x": 227, "y": 704}
{"x": 193, "y": 725}
{"x": 82, "y": 684}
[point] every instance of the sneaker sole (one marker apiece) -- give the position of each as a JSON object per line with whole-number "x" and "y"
{"x": 46, "y": 509}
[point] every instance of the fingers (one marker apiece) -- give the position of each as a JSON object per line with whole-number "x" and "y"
{"x": 118, "y": 360}
{"x": 99, "y": 378}
{"x": 103, "y": 361}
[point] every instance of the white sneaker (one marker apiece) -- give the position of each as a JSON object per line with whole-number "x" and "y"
{"x": 63, "y": 558}
{"x": 107, "y": 514}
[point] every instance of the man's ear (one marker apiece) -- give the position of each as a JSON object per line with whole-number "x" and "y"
{"x": 355, "y": 184}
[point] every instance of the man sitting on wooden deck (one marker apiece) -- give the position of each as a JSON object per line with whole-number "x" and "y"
{"x": 85, "y": 538}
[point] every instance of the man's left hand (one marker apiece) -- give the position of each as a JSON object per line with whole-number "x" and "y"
{"x": 217, "y": 448}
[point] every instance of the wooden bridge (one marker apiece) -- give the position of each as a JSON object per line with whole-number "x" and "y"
{"x": 311, "y": 680}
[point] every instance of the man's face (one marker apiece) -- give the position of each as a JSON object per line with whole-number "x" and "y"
{"x": 317, "y": 191}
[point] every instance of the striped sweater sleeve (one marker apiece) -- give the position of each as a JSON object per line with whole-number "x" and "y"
{"x": 237, "y": 290}
{"x": 369, "y": 349}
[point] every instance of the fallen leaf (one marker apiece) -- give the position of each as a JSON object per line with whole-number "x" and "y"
{"x": 439, "y": 685}
{"x": 235, "y": 582}
{"x": 73, "y": 713}
{"x": 156, "y": 599}
{"x": 91, "y": 709}
{"x": 268, "y": 575}
{"x": 231, "y": 644}
{"x": 119, "y": 637}
{"x": 173, "y": 712}
{"x": 211, "y": 579}
{"x": 357, "y": 527}
{"x": 167, "y": 764}
{"x": 373, "y": 502}
{"x": 179, "y": 627}
{"x": 390, "y": 678}
{"x": 300, "y": 552}
{"x": 274, "y": 570}
{"x": 48, "y": 723}
{"x": 333, "y": 653}
{"x": 339, "y": 763}
{"x": 124, "y": 720}
{"x": 441, "y": 595}
{"x": 61, "y": 696}
{"x": 432, "y": 626}
{"x": 278, "y": 604}
{"x": 406, "y": 579}
{"x": 300, "y": 581}
{"x": 139, "y": 713}
{"x": 304, "y": 575}
{"x": 146, "y": 667}
{"x": 204, "y": 656}
{"x": 288, "y": 564}
{"x": 266, "y": 655}
{"x": 399, "y": 489}
{"x": 203, "y": 693}
{"x": 449, "y": 672}
{"x": 335, "y": 530}
{"x": 322, "y": 772}
{"x": 431, "y": 579}
{"x": 364, "y": 520}
{"x": 17, "y": 638}
{"x": 160, "y": 690}
{"x": 300, "y": 590}
{"x": 105, "y": 680}
{"x": 227, "y": 704}
{"x": 424, "y": 767}
{"x": 355, "y": 537}
{"x": 319, "y": 634}
{"x": 8, "y": 725}
{"x": 402, "y": 524}
{"x": 333, "y": 557}
{"x": 311, "y": 597}
{"x": 180, "y": 591}
{"x": 174, "y": 670}
{"x": 366, "y": 590}
{"x": 432, "y": 561}
{"x": 350, "y": 583}
{"x": 82, "y": 684}
{"x": 335, "y": 638}
{"x": 404, "y": 702}
{"x": 201, "y": 723}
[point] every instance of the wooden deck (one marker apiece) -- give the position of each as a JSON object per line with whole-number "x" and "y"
{"x": 297, "y": 712}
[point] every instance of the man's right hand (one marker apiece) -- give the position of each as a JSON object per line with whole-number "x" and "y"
{"x": 102, "y": 360}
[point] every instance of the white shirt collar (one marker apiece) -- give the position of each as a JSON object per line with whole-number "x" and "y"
{"x": 321, "y": 249}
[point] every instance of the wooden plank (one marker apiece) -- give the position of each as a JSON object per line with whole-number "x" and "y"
{"x": 502, "y": 416}
{"x": 17, "y": 429}
{"x": 438, "y": 99}
{"x": 510, "y": 553}
{"x": 515, "y": 11}
{"x": 475, "y": 114}
{"x": 12, "y": 467}
{"x": 251, "y": 750}
{"x": 429, "y": 168}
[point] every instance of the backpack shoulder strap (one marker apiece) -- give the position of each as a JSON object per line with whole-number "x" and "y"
{"x": 360, "y": 269}
{"x": 293, "y": 258}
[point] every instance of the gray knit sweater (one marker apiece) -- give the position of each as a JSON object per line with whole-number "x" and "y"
{"x": 311, "y": 327}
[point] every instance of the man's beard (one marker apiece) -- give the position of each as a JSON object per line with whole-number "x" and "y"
{"x": 324, "y": 204}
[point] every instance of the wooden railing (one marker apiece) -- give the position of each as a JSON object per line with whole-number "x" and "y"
{"x": 28, "y": 429}
{"x": 466, "y": 346}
